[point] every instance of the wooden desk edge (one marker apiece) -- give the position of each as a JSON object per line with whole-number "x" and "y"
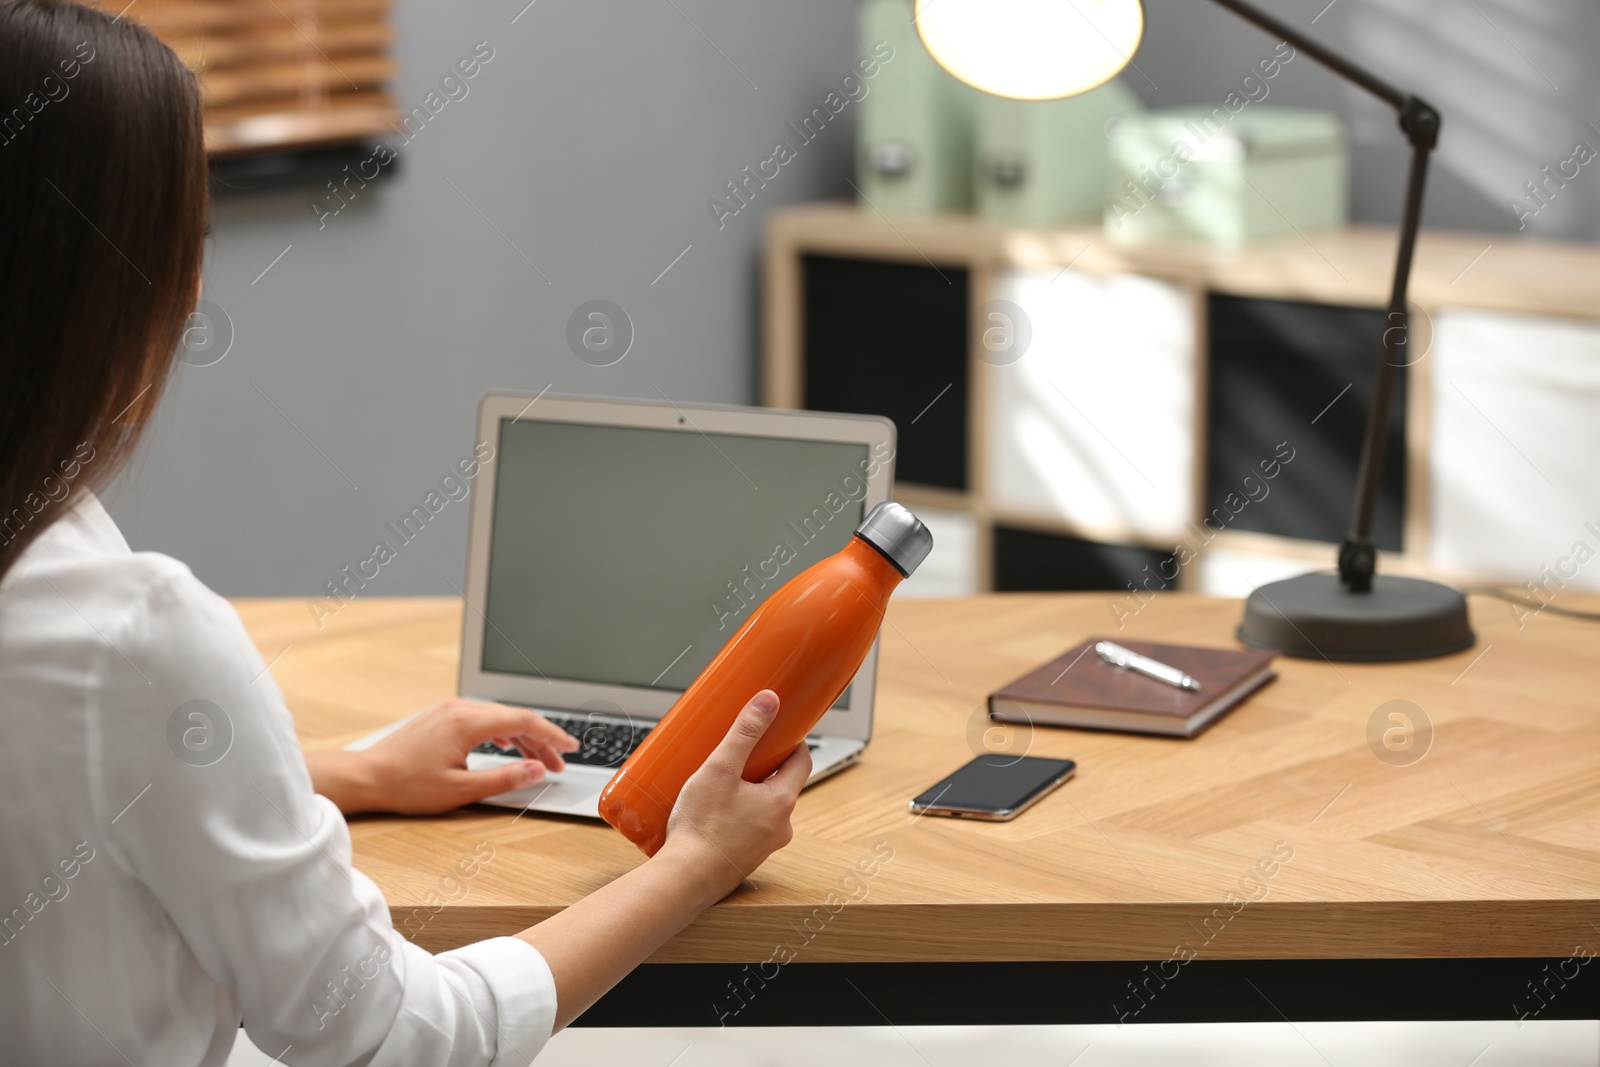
{"x": 979, "y": 932}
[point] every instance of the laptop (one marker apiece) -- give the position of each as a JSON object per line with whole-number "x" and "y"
{"x": 616, "y": 545}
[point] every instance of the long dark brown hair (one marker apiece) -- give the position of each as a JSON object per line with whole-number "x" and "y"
{"x": 103, "y": 204}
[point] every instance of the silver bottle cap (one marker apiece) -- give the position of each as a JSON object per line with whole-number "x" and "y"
{"x": 898, "y": 534}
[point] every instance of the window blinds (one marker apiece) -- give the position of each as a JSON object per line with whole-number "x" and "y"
{"x": 281, "y": 74}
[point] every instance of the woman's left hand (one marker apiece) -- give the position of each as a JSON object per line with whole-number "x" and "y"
{"x": 421, "y": 768}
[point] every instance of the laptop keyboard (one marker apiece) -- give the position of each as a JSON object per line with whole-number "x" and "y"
{"x": 601, "y": 743}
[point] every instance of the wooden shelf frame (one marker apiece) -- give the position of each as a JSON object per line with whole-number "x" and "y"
{"x": 1350, "y": 267}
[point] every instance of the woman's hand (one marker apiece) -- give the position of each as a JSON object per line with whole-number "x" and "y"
{"x": 421, "y": 768}
{"x": 726, "y": 825}
{"x": 721, "y": 829}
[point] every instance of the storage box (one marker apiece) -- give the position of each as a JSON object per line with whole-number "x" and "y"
{"x": 914, "y": 133}
{"x": 1045, "y": 162}
{"x": 1225, "y": 178}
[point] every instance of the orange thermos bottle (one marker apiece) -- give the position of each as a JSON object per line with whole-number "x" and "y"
{"x": 804, "y": 642}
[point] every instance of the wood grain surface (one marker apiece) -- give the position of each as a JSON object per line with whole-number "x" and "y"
{"x": 1353, "y": 265}
{"x": 1279, "y": 833}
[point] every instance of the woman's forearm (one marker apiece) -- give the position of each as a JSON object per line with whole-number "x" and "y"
{"x": 591, "y": 945}
{"x": 343, "y": 777}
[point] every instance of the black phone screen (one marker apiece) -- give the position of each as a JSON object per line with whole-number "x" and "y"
{"x": 995, "y": 783}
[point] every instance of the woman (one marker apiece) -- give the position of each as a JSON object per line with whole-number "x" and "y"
{"x": 150, "y": 899}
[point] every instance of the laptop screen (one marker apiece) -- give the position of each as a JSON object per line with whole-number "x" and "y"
{"x": 629, "y": 556}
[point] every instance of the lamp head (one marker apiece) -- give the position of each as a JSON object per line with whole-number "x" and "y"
{"x": 1031, "y": 49}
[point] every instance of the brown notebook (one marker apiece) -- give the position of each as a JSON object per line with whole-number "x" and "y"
{"x": 1081, "y": 689}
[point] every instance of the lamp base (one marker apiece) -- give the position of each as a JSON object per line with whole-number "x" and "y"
{"x": 1315, "y": 617}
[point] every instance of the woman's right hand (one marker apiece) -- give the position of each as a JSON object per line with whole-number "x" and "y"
{"x": 720, "y": 830}
{"x": 726, "y": 825}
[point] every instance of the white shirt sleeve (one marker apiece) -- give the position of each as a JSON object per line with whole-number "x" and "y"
{"x": 255, "y": 870}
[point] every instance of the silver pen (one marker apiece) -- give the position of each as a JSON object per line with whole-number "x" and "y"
{"x": 1128, "y": 659}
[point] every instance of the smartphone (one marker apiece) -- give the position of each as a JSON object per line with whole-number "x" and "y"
{"x": 994, "y": 787}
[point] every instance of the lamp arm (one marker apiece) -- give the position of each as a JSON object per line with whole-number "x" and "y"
{"x": 1420, "y": 122}
{"x": 1358, "y": 556}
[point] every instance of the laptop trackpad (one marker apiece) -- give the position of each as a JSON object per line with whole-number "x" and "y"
{"x": 577, "y": 794}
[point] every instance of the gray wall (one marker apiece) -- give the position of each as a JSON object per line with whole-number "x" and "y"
{"x": 592, "y": 141}
{"x": 1515, "y": 80}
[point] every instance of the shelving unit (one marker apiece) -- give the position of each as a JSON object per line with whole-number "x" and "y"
{"x": 1122, "y": 332}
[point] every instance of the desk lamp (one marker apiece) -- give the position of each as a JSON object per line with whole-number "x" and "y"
{"x": 1046, "y": 49}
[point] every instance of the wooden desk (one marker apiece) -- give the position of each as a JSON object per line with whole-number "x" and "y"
{"x": 1279, "y": 835}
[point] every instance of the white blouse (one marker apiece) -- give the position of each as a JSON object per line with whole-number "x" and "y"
{"x": 166, "y": 868}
